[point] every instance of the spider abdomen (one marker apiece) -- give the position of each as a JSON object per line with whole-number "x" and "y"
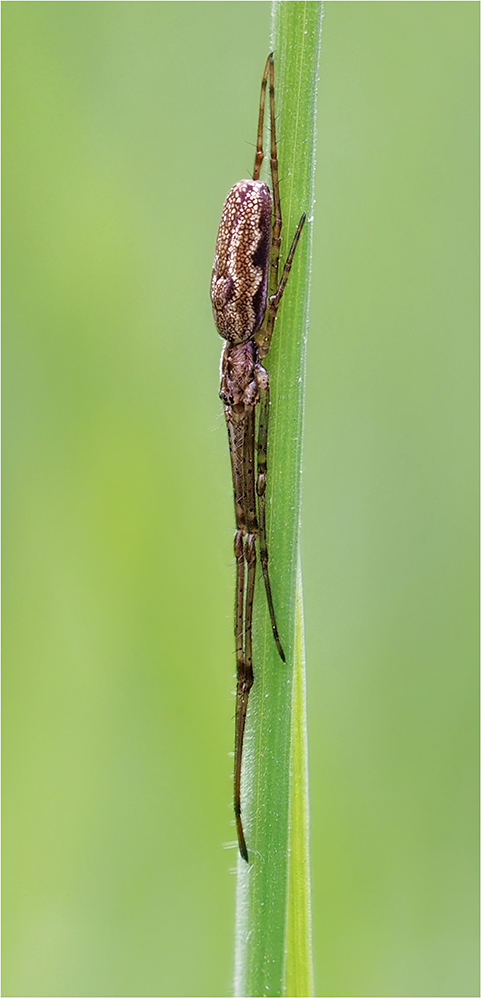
{"x": 241, "y": 264}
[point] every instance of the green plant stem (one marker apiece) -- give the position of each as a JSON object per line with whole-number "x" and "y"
{"x": 273, "y": 942}
{"x": 298, "y": 968}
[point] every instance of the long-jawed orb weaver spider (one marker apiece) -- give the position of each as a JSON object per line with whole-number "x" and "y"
{"x": 246, "y": 294}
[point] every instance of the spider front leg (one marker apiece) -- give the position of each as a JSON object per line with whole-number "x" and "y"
{"x": 240, "y": 418}
{"x": 245, "y": 679}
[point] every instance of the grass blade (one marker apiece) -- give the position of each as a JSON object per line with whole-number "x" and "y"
{"x": 270, "y": 957}
{"x": 298, "y": 970}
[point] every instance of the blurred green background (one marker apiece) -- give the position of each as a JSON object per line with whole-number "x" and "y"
{"x": 124, "y": 125}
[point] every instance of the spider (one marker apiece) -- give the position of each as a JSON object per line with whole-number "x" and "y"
{"x": 246, "y": 293}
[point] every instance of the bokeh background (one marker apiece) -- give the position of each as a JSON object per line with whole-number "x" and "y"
{"x": 124, "y": 126}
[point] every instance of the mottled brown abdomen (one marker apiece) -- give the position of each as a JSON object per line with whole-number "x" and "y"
{"x": 241, "y": 264}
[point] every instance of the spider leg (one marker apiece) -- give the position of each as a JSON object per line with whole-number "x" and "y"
{"x": 276, "y": 286}
{"x": 276, "y": 197}
{"x": 244, "y": 683}
{"x": 241, "y": 427}
{"x": 245, "y": 679}
{"x": 261, "y": 496}
{"x": 260, "y": 126}
{"x": 264, "y": 336}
